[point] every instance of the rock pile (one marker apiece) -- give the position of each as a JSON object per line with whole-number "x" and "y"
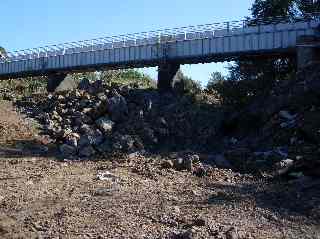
{"x": 97, "y": 120}
{"x": 6, "y": 94}
{"x": 280, "y": 133}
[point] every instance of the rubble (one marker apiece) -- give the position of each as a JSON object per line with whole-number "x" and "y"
{"x": 106, "y": 176}
{"x": 7, "y": 94}
{"x": 232, "y": 233}
{"x": 95, "y": 120}
{"x": 283, "y": 125}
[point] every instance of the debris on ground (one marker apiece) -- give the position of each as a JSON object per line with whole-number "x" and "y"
{"x": 97, "y": 120}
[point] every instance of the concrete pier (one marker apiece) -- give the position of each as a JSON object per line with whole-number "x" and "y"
{"x": 167, "y": 75}
{"x": 54, "y": 81}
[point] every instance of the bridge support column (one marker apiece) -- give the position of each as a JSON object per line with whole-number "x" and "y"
{"x": 54, "y": 81}
{"x": 307, "y": 50}
{"x": 167, "y": 75}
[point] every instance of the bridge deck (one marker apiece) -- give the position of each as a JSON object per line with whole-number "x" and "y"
{"x": 205, "y": 43}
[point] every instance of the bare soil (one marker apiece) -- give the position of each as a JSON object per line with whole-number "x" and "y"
{"x": 44, "y": 197}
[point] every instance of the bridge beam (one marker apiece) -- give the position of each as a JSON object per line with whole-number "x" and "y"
{"x": 54, "y": 81}
{"x": 167, "y": 75}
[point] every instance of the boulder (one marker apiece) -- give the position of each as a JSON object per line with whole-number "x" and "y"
{"x": 99, "y": 109}
{"x": 84, "y": 84}
{"x": 105, "y": 125}
{"x": 286, "y": 115}
{"x": 72, "y": 139}
{"x": 178, "y": 164}
{"x": 183, "y": 164}
{"x": 96, "y": 87}
{"x": 167, "y": 164}
{"x": 96, "y": 138}
{"x": 118, "y": 108}
{"x": 90, "y": 135}
{"x": 188, "y": 164}
{"x": 124, "y": 142}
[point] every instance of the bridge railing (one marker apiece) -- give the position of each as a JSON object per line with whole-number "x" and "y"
{"x": 151, "y": 37}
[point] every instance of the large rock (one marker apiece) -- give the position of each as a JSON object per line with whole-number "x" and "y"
{"x": 84, "y": 84}
{"x": 183, "y": 164}
{"x": 94, "y": 139}
{"x": 99, "y": 109}
{"x": 105, "y": 125}
{"x": 118, "y": 108}
{"x": 90, "y": 135}
{"x": 284, "y": 166}
{"x": 72, "y": 139}
{"x": 124, "y": 142}
{"x": 94, "y": 87}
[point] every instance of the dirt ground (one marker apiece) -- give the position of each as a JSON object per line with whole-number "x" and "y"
{"x": 42, "y": 196}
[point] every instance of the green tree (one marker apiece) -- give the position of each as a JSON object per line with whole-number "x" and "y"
{"x": 255, "y": 75}
{"x": 3, "y": 52}
{"x": 188, "y": 84}
{"x": 308, "y": 6}
{"x": 131, "y": 77}
{"x": 215, "y": 79}
{"x": 265, "y": 9}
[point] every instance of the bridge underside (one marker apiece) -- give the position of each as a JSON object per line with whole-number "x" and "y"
{"x": 167, "y": 68}
{"x": 225, "y": 57}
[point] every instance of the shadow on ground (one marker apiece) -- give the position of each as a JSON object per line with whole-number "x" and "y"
{"x": 27, "y": 148}
{"x": 280, "y": 197}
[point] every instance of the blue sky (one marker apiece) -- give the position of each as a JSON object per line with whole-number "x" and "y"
{"x": 33, "y": 23}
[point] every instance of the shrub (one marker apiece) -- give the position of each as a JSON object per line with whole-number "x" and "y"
{"x": 127, "y": 77}
{"x": 190, "y": 86}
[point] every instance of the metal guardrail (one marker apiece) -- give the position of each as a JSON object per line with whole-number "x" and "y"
{"x": 144, "y": 38}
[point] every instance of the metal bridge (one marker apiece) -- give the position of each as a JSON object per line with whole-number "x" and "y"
{"x": 194, "y": 44}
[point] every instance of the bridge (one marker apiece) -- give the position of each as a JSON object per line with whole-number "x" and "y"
{"x": 167, "y": 49}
